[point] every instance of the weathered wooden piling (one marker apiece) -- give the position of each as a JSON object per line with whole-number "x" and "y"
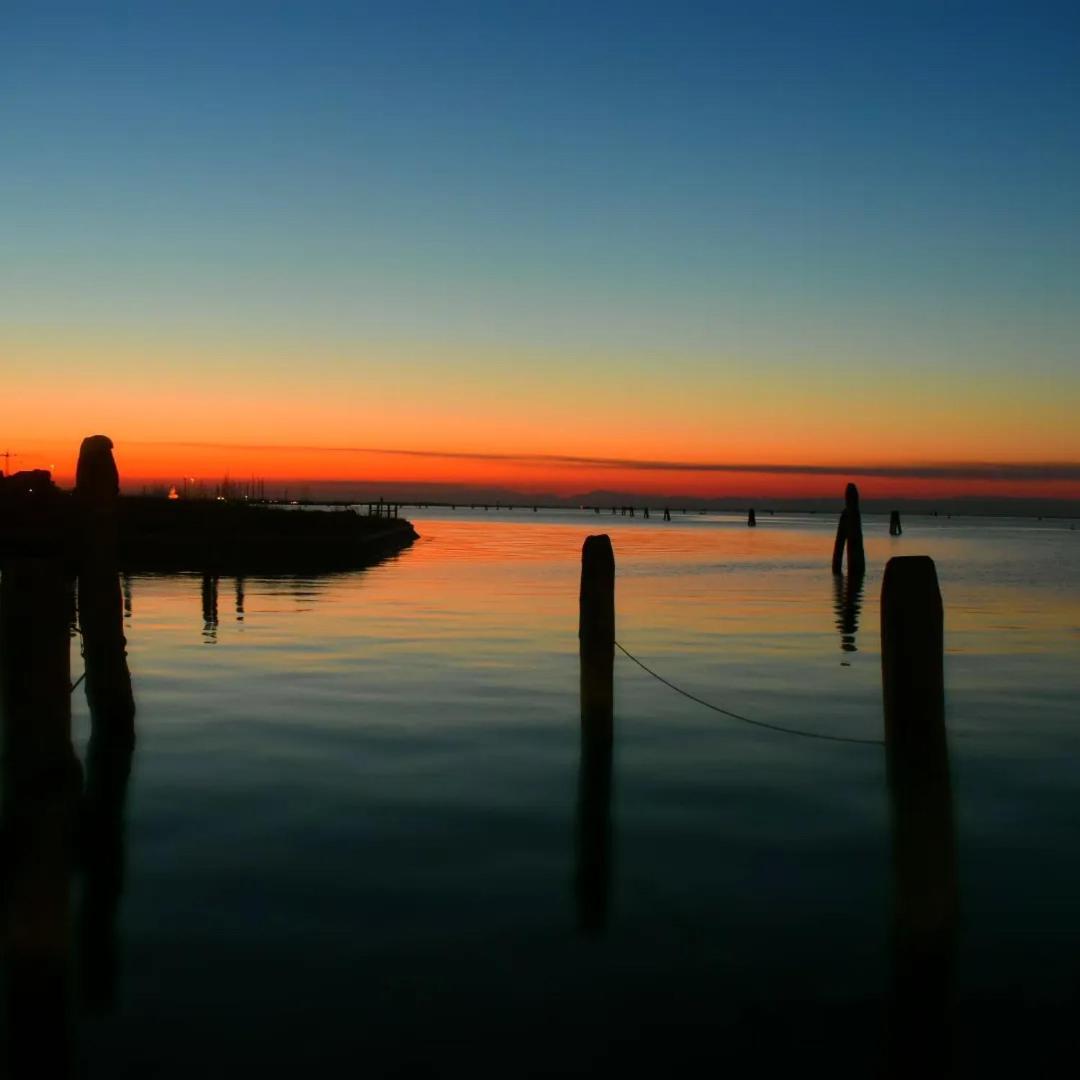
{"x": 912, "y": 642}
{"x": 924, "y": 857}
{"x": 667, "y": 514}
{"x": 596, "y": 643}
{"x": 751, "y": 519}
{"x": 596, "y": 635}
{"x": 41, "y": 778}
{"x": 646, "y": 511}
{"x": 849, "y": 535}
{"x": 97, "y": 488}
{"x": 895, "y": 528}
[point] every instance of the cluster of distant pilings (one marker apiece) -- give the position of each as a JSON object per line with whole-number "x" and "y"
{"x": 383, "y": 509}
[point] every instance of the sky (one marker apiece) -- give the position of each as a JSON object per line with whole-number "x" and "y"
{"x": 547, "y": 246}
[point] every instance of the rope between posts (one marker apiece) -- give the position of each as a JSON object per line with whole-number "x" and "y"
{"x": 745, "y": 719}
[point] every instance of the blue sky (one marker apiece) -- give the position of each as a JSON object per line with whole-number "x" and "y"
{"x": 807, "y": 189}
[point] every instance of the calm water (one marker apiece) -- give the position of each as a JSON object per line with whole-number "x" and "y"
{"x": 354, "y": 823}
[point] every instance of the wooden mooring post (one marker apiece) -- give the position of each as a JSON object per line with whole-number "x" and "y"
{"x": 895, "y": 528}
{"x": 596, "y": 634}
{"x": 849, "y": 535}
{"x": 596, "y": 643}
{"x": 751, "y": 519}
{"x": 923, "y": 841}
{"x": 41, "y": 778}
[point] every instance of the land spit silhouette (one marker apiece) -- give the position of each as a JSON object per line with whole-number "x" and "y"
{"x": 148, "y": 533}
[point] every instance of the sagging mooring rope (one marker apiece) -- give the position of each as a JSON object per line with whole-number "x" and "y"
{"x": 745, "y": 719}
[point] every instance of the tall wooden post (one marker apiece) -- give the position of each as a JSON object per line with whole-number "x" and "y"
{"x": 895, "y": 528}
{"x": 97, "y": 488}
{"x": 751, "y": 519}
{"x": 596, "y": 643}
{"x": 596, "y": 634}
{"x": 924, "y": 856}
{"x": 41, "y": 780}
{"x": 112, "y": 716}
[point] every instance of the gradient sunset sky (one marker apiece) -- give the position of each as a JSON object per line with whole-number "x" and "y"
{"x": 549, "y": 246}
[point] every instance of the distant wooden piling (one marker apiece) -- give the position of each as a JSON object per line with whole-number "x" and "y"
{"x": 849, "y": 536}
{"x": 751, "y": 519}
{"x": 596, "y": 635}
{"x": 646, "y": 511}
{"x": 924, "y": 857}
{"x": 895, "y": 529}
{"x": 667, "y": 514}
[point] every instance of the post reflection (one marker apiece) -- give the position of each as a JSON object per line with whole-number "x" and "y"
{"x": 210, "y": 607}
{"x": 847, "y": 603}
{"x": 108, "y": 767}
{"x": 925, "y": 892}
{"x": 239, "y": 598}
{"x": 594, "y": 826}
{"x": 41, "y": 779}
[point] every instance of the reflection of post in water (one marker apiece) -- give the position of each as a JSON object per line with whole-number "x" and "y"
{"x": 596, "y": 638}
{"x": 108, "y": 765}
{"x": 924, "y": 856}
{"x": 210, "y": 606}
{"x": 40, "y": 785}
{"x": 125, "y": 583}
{"x": 239, "y": 599}
{"x": 847, "y": 602}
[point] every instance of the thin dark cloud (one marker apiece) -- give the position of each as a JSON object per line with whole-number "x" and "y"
{"x": 1030, "y": 472}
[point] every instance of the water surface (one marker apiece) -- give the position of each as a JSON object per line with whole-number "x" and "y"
{"x": 357, "y": 828}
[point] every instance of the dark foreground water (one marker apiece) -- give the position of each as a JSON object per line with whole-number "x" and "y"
{"x": 359, "y": 835}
